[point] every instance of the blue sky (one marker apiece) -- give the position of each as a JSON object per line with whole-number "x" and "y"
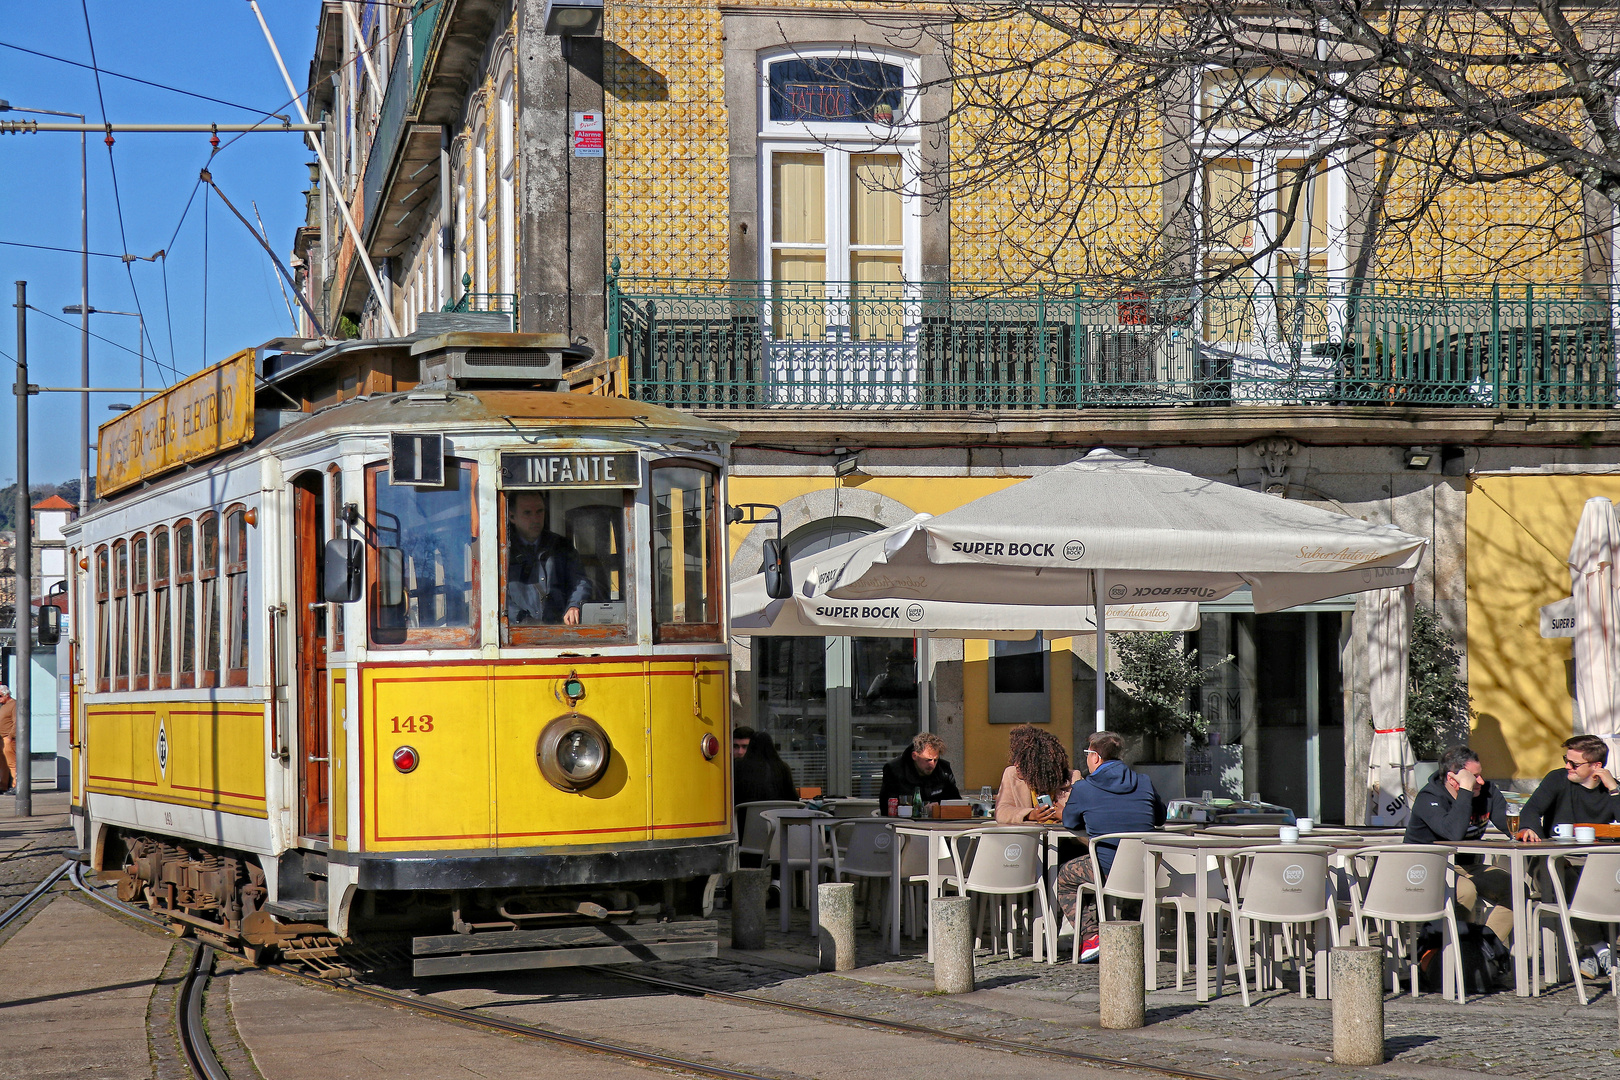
{"x": 212, "y": 47}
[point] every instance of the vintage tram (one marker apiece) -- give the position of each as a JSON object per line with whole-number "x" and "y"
{"x": 404, "y": 636}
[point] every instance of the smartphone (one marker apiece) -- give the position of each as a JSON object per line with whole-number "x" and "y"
{"x": 1043, "y": 801}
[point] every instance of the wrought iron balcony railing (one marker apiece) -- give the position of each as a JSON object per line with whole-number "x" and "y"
{"x": 502, "y": 303}
{"x": 936, "y": 346}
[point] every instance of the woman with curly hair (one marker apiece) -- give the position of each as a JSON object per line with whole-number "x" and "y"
{"x": 1037, "y": 765}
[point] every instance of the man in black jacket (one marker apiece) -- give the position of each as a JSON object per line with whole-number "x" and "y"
{"x": 920, "y": 768}
{"x": 1455, "y": 806}
{"x": 544, "y": 580}
{"x": 1583, "y": 792}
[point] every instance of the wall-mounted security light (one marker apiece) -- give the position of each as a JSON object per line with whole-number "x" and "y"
{"x": 847, "y": 466}
{"x": 1420, "y": 457}
{"x": 573, "y": 18}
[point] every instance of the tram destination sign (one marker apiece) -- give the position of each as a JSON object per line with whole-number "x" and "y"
{"x": 197, "y": 418}
{"x": 571, "y": 469}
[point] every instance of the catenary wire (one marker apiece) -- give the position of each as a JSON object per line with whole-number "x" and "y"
{"x": 51, "y": 247}
{"x": 117, "y": 345}
{"x": 143, "y": 82}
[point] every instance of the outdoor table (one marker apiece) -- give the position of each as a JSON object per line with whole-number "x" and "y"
{"x": 927, "y": 828}
{"x": 816, "y": 819}
{"x": 1153, "y": 852}
{"x": 1518, "y": 862}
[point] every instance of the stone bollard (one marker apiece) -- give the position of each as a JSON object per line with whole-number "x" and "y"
{"x": 748, "y": 888}
{"x": 1356, "y": 974}
{"x": 1122, "y": 1000}
{"x": 950, "y": 923}
{"x": 836, "y": 904}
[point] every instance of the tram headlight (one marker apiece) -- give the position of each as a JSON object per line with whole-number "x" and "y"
{"x": 573, "y": 752}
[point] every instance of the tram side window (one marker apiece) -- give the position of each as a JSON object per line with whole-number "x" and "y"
{"x": 162, "y": 624}
{"x": 185, "y": 574}
{"x": 686, "y": 582}
{"x": 103, "y": 624}
{"x": 141, "y": 637}
{"x": 334, "y": 529}
{"x": 562, "y": 565}
{"x": 208, "y": 574}
{"x": 424, "y": 571}
{"x": 120, "y": 619}
{"x": 236, "y": 592}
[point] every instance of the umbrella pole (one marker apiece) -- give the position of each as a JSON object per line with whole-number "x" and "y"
{"x": 1099, "y": 606}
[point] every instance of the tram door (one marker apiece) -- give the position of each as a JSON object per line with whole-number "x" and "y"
{"x": 314, "y": 743}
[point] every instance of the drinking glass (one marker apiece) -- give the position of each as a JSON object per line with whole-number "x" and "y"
{"x": 987, "y": 793}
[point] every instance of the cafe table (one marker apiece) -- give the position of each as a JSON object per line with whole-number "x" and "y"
{"x": 1200, "y": 846}
{"x": 1518, "y": 856}
{"x": 911, "y": 830}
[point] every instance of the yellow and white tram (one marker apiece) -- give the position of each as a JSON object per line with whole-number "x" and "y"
{"x": 403, "y": 635}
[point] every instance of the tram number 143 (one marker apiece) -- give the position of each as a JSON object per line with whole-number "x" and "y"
{"x": 411, "y": 724}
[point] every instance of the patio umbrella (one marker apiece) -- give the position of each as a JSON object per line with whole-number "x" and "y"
{"x": 755, "y": 614}
{"x": 1593, "y": 579}
{"x": 1120, "y": 528}
{"x": 1390, "y": 782}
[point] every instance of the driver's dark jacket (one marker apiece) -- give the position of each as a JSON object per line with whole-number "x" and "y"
{"x": 902, "y": 779}
{"x": 543, "y": 579}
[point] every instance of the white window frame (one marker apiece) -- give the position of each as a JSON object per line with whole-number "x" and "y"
{"x": 480, "y": 207}
{"x": 837, "y": 143}
{"x": 506, "y": 187}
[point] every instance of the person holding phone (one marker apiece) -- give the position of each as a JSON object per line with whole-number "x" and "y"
{"x": 1035, "y": 785}
{"x": 1457, "y": 805}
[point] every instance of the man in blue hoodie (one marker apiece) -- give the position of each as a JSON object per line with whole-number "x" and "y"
{"x": 1111, "y": 799}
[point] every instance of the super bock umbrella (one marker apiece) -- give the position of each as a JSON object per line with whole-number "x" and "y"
{"x": 1130, "y": 532}
{"x": 1390, "y": 788}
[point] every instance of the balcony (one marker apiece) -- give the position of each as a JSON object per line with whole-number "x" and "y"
{"x": 954, "y": 347}
{"x": 401, "y": 149}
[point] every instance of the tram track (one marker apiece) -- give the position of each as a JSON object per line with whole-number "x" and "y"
{"x": 188, "y": 1017}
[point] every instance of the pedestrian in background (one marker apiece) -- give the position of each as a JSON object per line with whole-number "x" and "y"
{"x": 8, "y": 734}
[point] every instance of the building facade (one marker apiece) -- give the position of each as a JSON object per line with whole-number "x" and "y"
{"x": 778, "y": 227}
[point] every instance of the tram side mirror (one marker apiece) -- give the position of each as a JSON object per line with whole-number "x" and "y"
{"x": 778, "y": 571}
{"x": 390, "y": 577}
{"x": 48, "y": 625}
{"x": 340, "y": 577}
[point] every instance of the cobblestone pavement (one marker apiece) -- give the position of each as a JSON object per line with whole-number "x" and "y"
{"x": 1281, "y": 1035}
{"x": 30, "y": 848}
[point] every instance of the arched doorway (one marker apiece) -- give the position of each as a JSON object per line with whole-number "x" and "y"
{"x": 836, "y": 707}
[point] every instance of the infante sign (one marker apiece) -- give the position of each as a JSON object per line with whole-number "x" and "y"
{"x": 210, "y": 412}
{"x": 621, "y": 469}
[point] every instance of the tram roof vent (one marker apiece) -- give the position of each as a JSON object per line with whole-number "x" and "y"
{"x": 532, "y": 361}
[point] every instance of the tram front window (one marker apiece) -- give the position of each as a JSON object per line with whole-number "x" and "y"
{"x": 562, "y": 561}
{"x": 424, "y": 577}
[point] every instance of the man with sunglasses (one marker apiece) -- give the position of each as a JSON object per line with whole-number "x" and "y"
{"x": 1583, "y": 792}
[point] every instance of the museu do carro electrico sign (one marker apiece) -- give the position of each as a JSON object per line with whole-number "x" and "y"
{"x": 194, "y": 419}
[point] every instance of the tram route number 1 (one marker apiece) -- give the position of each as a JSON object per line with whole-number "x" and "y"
{"x": 412, "y": 724}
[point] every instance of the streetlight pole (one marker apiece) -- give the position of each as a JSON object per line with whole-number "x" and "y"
{"x": 82, "y": 309}
{"x": 23, "y": 620}
{"x": 84, "y": 302}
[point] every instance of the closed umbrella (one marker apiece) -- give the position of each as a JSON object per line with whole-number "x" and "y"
{"x": 1129, "y": 532}
{"x": 1390, "y": 782}
{"x": 1593, "y": 579}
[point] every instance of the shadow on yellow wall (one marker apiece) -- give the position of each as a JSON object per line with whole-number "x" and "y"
{"x": 984, "y": 743}
{"x": 1519, "y": 532}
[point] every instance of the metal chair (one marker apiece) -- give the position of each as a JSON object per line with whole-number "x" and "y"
{"x": 1410, "y": 884}
{"x": 1284, "y": 886}
{"x": 1007, "y": 862}
{"x": 1596, "y": 899}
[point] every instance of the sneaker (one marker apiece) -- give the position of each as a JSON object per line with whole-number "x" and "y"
{"x": 1589, "y": 967}
{"x": 1089, "y": 948}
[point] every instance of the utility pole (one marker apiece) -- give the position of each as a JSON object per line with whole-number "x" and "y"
{"x": 24, "y": 619}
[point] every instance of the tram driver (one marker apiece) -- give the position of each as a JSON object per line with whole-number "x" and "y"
{"x": 545, "y": 582}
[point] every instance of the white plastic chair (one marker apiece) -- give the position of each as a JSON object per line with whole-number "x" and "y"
{"x": 1177, "y": 889}
{"x": 1284, "y": 886}
{"x": 1408, "y": 884}
{"x": 1007, "y": 862}
{"x": 753, "y": 834}
{"x": 866, "y": 851}
{"x": 1596, "y": 899}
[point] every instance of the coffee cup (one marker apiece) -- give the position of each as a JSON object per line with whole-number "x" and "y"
{"x": 1564, "y": 832}
{"x": 1288, "y": 834}
{"x": 1304, "y": 825}
{"x": 1585, "y": 834}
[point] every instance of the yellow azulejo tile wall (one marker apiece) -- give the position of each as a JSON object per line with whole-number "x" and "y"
{"x": 667, "y": 177}
{"x": 1519, "y": 533}
{"x": 208, "y": 754}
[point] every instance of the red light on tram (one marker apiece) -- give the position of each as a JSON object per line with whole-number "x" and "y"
{"x": 405, "y": 759}
{"x": 711, "y": 747}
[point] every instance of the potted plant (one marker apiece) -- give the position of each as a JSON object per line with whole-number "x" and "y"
{"x": 1438, "y": 708}
{"x": 1157, "y": 673}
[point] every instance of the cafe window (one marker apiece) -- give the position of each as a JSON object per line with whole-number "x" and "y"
{"x": 185, "y": 576}
{"x": 236, "y": 596}
{"x": 208, "y": 579}
{"x": 103, "y": 623}
{"x": 141, "y": 632}
{"x": 423, "y": 574}
{"x": 563, "y": 573}
{"x": 162, "y": 620}
{"x": 686, "y": 580}
{"x": 120, "y": 616}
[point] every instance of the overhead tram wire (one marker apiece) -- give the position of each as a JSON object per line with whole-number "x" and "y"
{"x": 143, "y": 82}
{"x": 208, "y": 178}
{"x": 69, "y": 251}
{"x": 117, "y": 345}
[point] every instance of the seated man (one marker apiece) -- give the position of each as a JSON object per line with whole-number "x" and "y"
{"x": 1111, "y": 799}
{"x": 544, "y": 581}
{"x": 920, "y": 768}
{"x": 1456, "y": 806}
{"x": 1583, "y": 792}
